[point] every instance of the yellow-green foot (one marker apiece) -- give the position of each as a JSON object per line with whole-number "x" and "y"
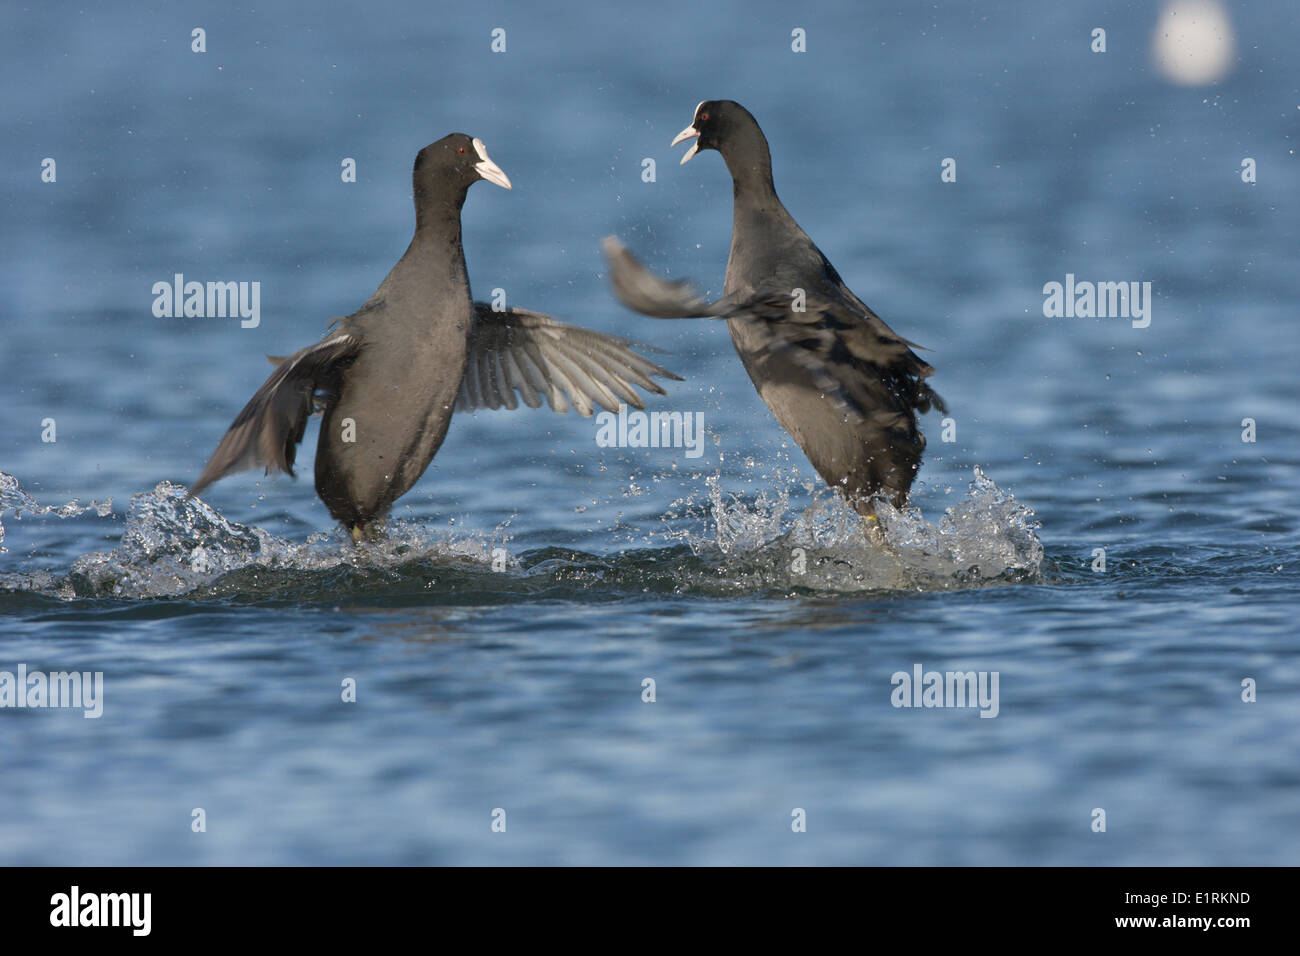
{"x": 366, "y": 532}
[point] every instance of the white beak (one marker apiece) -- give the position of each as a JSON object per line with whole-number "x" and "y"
{"x": 689, "y": 133}
{"x": 488, "y": 169}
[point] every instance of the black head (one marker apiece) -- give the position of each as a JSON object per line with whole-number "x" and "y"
{"x": 722, "y": 125}
{"x": 452, "y": 165}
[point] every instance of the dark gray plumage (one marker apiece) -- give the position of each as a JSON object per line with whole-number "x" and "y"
{"x": 837, "y": 378}
{"x": 389, "y": 376}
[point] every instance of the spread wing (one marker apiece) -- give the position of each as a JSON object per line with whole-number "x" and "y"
{"x": 532, "y": 354}
{"x": 850, "y": 355}
{"x": 268, "y": 429}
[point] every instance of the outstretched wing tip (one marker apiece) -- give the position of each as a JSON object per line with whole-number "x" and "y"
{"x": 529, "y": 353}
{"x": 269, "y": 426}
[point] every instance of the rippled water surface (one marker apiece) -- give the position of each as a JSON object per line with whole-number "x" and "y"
{"x": 500, "y": 636}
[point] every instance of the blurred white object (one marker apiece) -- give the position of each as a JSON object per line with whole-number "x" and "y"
{"x": 1193, "y": 42}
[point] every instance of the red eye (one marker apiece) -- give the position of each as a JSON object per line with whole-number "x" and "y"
{"x": 704, "y": 117}
{"x": 461, "y": 150}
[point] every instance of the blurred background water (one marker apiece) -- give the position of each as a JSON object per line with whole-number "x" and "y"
{"x": 225, "y": 628}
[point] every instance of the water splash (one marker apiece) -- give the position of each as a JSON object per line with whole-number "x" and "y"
{"x": 13, "y": 498}
{"x": 987, "y": 537}
{"x": 173, "y": 544}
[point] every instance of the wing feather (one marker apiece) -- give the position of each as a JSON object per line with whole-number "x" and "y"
{"x": 268, "y": 429}
{"x": 529, "y": 353}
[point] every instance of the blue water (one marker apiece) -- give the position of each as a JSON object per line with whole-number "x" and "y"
{"x": 225, "y": 628}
